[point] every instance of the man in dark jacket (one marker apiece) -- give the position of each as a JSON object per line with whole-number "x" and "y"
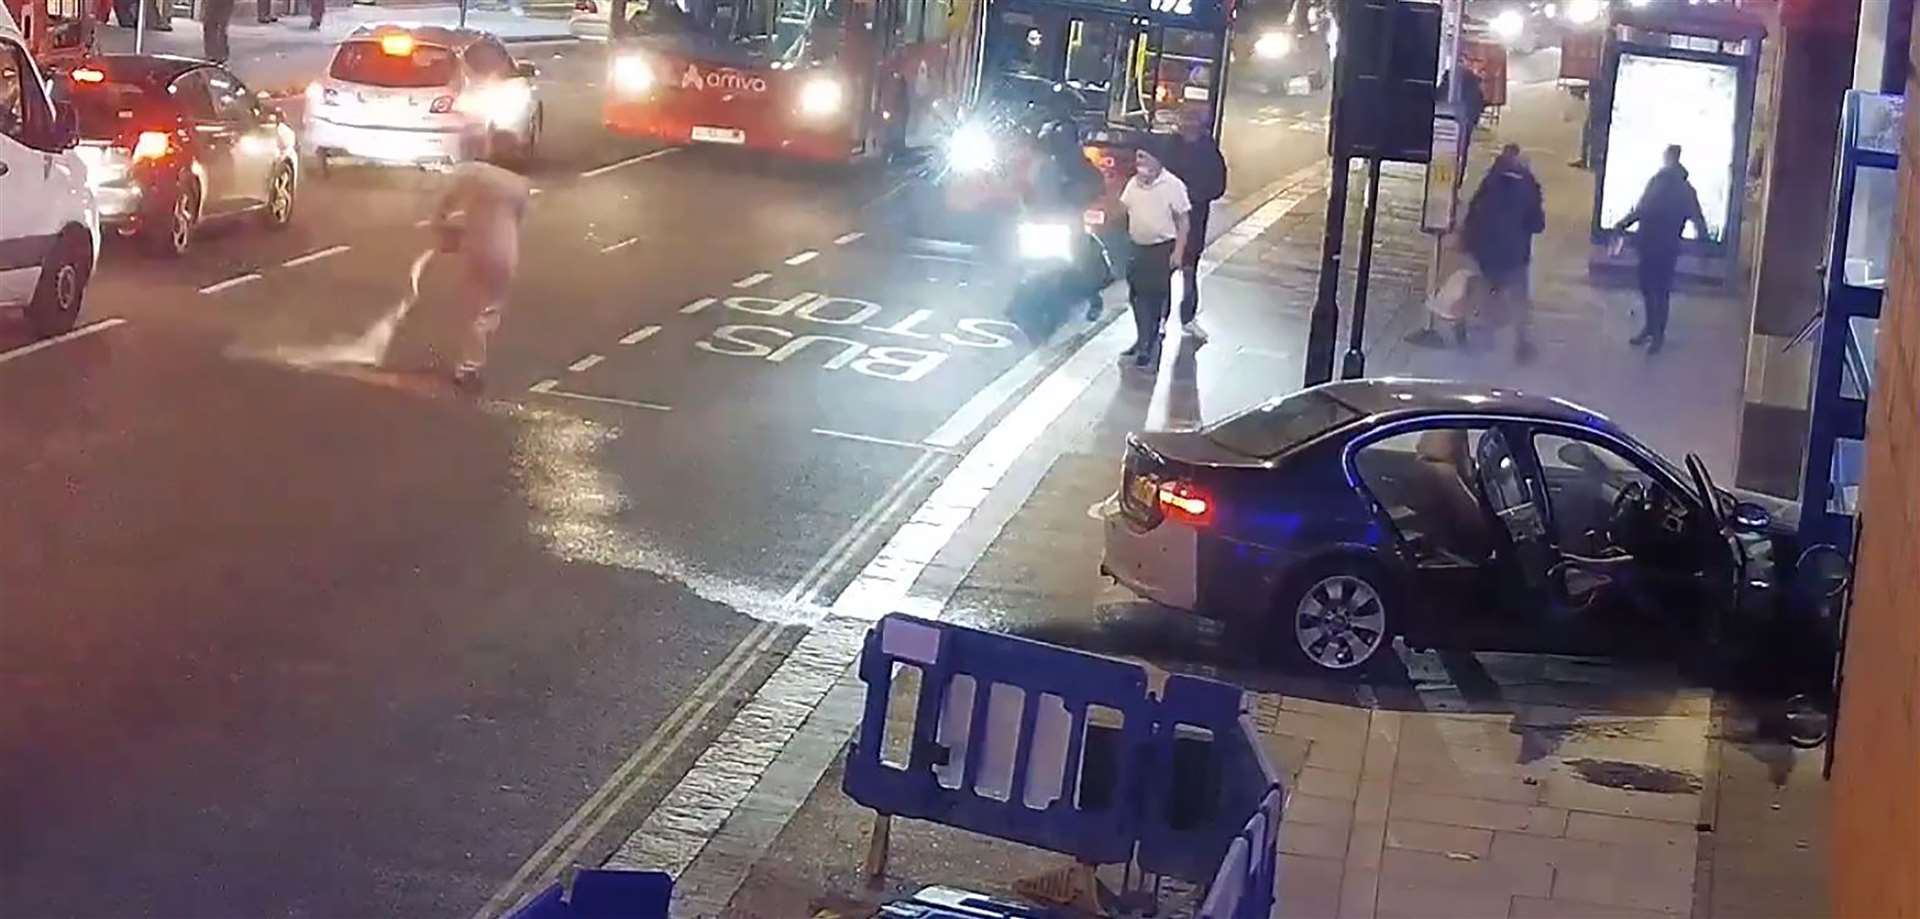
{"x": 1665, "y": 207}
{"x": 1502, "y": 219}
{"x": 1195, "y": 157}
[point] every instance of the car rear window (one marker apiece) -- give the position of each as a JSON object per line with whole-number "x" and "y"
{"x": 1278, "y": 426}
{"x": 364, "y": 62}
{"x": 103, "y": 110}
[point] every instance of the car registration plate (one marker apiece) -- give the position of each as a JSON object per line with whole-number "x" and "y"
{"x": 707, "y": 135}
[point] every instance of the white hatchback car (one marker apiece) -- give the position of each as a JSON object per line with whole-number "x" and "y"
{"x": 415, "y": 95}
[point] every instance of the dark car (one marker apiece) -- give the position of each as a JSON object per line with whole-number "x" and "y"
{"x": 1274, "y": 47}
{"x": 172, "y": 141}
{"x": 1323, "y": 524}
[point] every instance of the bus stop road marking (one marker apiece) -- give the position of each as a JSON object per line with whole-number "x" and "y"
{"x": 639, "y": 335}
{"x": 845, "y": 238}
{"x": 586, "y": 363}
{"x": 752, "y": 280}
{"x": 882, "y": 441}
{"x": 801, "y": 258}
{"x": 558, "y": 393}
{"x": 615, "y": 247}
{"x": 314, "y": 256}
{"x": 231, "y": 283}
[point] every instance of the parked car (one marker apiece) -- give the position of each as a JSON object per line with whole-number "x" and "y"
{"x": 49, "y": 227}
{"x": 415, "y": 95}
{"x": 1321, "y": 525}
{"x": 592, "y": 20}
{"x": 172, "y": 142}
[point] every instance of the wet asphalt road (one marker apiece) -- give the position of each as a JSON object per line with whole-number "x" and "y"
{"x": 280, "y": 640}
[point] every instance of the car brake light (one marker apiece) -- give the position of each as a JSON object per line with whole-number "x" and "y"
{"x": 586, "y": 6}
{"x": 1186, "y": 502}
{"x": 88, "y": 75}
{"x": 152, "y": 145}
{"x": 398, "y": 44}
{"x": 442, "y": 105}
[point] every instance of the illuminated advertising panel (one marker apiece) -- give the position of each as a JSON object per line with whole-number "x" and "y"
{"x": 1658, "y": 101}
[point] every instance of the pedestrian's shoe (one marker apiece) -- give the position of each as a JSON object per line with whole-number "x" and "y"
{"x": 1146, "y": 359}
{"x": 1654, "y": 346}
{"x": 1460, "y": 334}
{"x": 1095, "y": 308}
{"x": 1640, "y": 339}
{"x": 1194, "y": 331}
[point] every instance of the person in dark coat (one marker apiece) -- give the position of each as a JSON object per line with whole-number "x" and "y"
{"x": 215, "y": 16}
{"x": 1502, "y": 219}
{"x": 1195, "y": 157}
{"x": 1666, "y": 206}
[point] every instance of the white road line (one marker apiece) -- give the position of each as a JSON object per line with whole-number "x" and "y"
{"x": 646, "y": 759}
{"x": 314, "y": 256}
{"x": 585, "y": 363}
{"x": 639, "y": 335}
{"x": 606, "y": 400}
{"x": 619, "y": 245}
{"x": 846, "y": 238}
{"x": 603, "y": 170}
{"x": 46, "y": 343}
{"x": 975, "y": 411}
{"x": 751, "y": 280}
{"x": 870, "y": 439}
{"x": 827, "y": 566}
{"x": 543, "y": 386}
{"x": 534, "y": 192}
{"x": 697, "y": 306}
{"x": 801, "y": 258}
{"x": 247, "y": 278}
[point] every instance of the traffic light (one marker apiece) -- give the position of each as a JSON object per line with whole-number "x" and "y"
{"x": 1384, "y": 79}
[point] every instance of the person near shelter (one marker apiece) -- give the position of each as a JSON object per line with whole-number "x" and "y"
{"x": 1194, "y": 156}
{"x": 1156, "y": 204}
{"x": 1666, "y": 206}
{"x": 1502, "y": 219}
{"x": 490, "y": 203}
{"x": 215, "y": 16}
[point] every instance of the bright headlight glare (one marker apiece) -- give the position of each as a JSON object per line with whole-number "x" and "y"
{"x": 1273, "y": 45}
{"x": 1046, "y": 241}
{"x": 1581, "y": 12}
{"x": 632, "y": 74}
{"x": 501, "y": 103}
{"x": 821, "y": 96}
{"x": 971, "y": 149}
{"x": 1509, "y": 25}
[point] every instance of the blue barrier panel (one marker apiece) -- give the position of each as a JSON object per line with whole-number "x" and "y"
{"x": 1242, "y": 886}
{"x": 1210, "y": 774}
{"x": 1003, "y": 738}
{"x": 603, "y": 894}
{"x": 1229, "y": 888}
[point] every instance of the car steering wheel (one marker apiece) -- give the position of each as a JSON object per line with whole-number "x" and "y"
{"x": 1628, "y": 506}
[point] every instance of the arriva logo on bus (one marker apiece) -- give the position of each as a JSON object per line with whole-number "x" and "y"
{"x": 728, "y": 80}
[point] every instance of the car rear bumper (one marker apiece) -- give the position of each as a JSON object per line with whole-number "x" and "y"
{"x": 119, "y": 203}
{"x": 1161, "y": 564}
{"x": 384, "y": 145}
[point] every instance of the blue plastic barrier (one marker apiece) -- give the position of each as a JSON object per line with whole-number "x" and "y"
{"x": 603, "y": 894}
{"x": 1001, "y": 738}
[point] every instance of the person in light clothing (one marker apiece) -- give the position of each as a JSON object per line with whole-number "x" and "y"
{"x": 479, "y": 216}
{"x": 1157, "y": 208}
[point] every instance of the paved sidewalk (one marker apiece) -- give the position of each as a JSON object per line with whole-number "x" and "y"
{"x": 284, "y": 56}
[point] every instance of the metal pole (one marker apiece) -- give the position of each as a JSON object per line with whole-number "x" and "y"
{"x": 1354, "y": 365}
{"x": 463, "y": 14}
{"x": 1323, "y": 329}
{"x": 140, "y": 26}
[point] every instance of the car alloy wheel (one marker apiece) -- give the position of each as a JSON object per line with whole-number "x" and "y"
{"x": 181, "y": 218}
{"x": 1340, "y": 622}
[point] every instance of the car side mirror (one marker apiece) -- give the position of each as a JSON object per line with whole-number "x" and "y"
{"x": 525, "y": 69}
{"x": 65, "y": 132}
{"x": 1751, "y": 517}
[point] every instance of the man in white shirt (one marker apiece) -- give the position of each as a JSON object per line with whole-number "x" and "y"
{"x": 1157, "y": 206}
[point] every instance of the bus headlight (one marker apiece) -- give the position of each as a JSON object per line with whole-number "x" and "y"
{"x": 970, "y": 149}
{"x": 1583, "y": 12}
{"x": 1508, "y": 26}
{"x": 632, "y": 74}
{"x": 1273, "y": 46}
{"x": 1045, "y": 241}
{"x": 822, "y": 96}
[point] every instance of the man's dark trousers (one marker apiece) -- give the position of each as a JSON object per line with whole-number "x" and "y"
{"x": 1657, "y": 266}
{"x": 1149, "y": 287}
{"x": 1190, "y": 266}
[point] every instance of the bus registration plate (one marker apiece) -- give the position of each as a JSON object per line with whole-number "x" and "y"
{"x": 707, "y": 135}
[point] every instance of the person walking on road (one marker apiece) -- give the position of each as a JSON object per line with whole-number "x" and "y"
{"x": 263, "y": 11}
{"x": 490, "y": 203}
{"x": 1195, "y": 157}
{"x": 1666, "y": 206}
{"x": 1157, "y": 205}
{"x": 1505, "y": 214}
{"x": 215, "y": 16}
{"x": 318, "y": 11}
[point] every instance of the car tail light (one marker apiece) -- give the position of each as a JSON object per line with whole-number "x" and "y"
{"x": 88, "y": 75}
{"x": 152, "y": 145}
{"x": 586, "y": 6}
{"x": 442, "y": 105}
{"x": 1186, "y": 502}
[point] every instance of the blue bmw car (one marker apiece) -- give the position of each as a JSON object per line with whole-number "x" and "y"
{"x": 1320, "y": 525}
